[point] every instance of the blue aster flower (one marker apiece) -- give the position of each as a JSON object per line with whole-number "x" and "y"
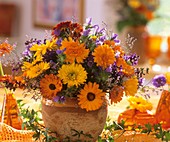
{"x": 159, "y": 80}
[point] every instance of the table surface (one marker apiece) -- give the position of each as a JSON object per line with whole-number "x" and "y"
{"x": 113, "y": 111}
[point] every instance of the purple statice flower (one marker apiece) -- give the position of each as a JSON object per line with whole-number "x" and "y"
{"x": 58, "y": 42}
{"x": 102, "y": 31}
{"x": 132, "y": 59}
{"x": 86, "y": 32}
{"x": 59, "y": 99}
{"x": 159, "y": 80}
{"x": 102, "y": 38}
{"x": 96, "y": 27}
{"x": 89, "y": 21}
{"x": 58, "y": 51}
{"x": 114, "y": 37}
{"x": 98, "y": 42}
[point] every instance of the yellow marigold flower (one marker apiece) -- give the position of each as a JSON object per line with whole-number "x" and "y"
{"x": 74, "y": 51}
{"x": 140, "y": 103}
{"x": 50, "y": 85}
{"x": 42, "y": 48}
{"x": 72, "y": 74}
{"x": 131, "y": 86}
{"x": 36, "y": 70}
{"x": 167, "y": 75}
{"x": 28, "y": 65}
{"x": 104, "y": 56}
{"x": 90, "y": 97}
{"x": 116, "y": 94}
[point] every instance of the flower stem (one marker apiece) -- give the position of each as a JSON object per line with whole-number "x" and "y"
{"x": 1, "y": 70}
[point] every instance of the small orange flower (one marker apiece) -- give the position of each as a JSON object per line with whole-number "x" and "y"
{"x": 73, "y": 30}
{"x": 116, "y": 94}
{"x": 110, "y": 43}
{"x": 74, "y": 51}
{"x": 5, "y": 48}
{"x": 127, "y": 69}
{"x": 104, "y": 56}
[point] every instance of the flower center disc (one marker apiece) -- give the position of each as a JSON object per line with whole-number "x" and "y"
{"x": 90, "y": 96}
{"x": 52, "y": 86}
{"x": 72, "y": 76}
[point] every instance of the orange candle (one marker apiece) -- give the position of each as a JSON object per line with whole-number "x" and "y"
{"x": 153, "y": 46}
{"x": 168, "y": 52}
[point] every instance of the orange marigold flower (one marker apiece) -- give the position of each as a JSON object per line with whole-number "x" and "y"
{"x": 116, "y": 94}
{"x": 131, "y": 86}
{"x": 50, "y": 85}
{"x": 91, "y": 97}
{"x": 104, "y": 56}
{"x": 74, "y": 51}
{"x": 5, "y": 48}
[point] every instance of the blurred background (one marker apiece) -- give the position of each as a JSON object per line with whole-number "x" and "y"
{"x": 143, "y": 23}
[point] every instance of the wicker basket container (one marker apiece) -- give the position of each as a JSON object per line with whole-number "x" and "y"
{"x": 131, "y": 136}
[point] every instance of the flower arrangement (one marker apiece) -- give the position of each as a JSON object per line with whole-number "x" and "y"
{"x": 84, "y": 62}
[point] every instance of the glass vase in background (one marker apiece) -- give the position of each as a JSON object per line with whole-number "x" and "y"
{"x": 153, "y": 48}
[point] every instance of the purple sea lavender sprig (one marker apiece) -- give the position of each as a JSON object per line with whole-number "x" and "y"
{"x": 89, "y": 21}
{"x": 29, "y": 44}
{"x": 117, "y": 74}
{"x": 141, "y": 81}
{"x": 159, "y": 80}
{"x": 132, "y": 59}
